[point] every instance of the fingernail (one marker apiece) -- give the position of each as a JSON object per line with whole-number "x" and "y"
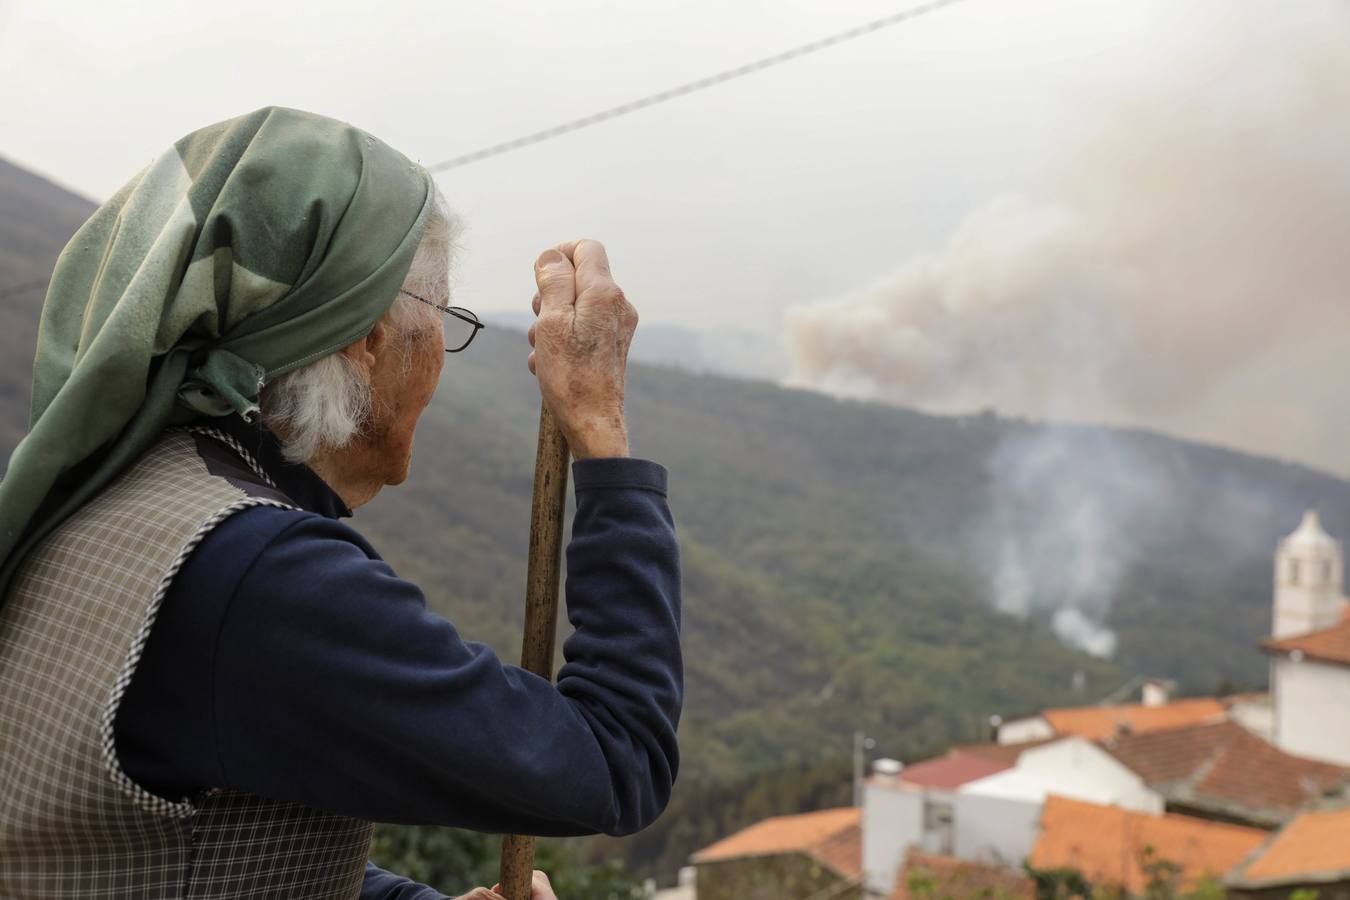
{"x": 550, "y": 257}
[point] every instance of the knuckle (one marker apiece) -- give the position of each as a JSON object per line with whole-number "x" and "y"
{"x": 610, "y": 293}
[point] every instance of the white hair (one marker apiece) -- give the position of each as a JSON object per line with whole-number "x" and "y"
{"x": 322, "y": 407}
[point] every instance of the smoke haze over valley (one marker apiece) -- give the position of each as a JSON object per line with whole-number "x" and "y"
{"x": 1184, "y": 268}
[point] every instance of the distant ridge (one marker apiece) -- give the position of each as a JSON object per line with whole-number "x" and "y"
{"x": 37, "y": 218}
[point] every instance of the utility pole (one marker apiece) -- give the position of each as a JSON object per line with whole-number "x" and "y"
{"x": 861, "y": 744}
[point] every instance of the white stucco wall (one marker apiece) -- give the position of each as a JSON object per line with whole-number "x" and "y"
{"x": 892, "y": 823}
{"x": 1312, "y": 709}
{"x": 998, "y": 817}
{"x": 1079, "y": 769}
{"x": 1017, "y": 731}
{"x": 996, "y": 829}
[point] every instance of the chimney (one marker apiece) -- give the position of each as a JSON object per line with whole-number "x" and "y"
{"x": 887, "y": 769}
{"x": 1156, "y": 692}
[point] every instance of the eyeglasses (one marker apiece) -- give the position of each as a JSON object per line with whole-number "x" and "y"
{"x": 460, "y": 329}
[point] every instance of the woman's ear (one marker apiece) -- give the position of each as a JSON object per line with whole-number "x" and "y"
{"x": 364, "y": 351}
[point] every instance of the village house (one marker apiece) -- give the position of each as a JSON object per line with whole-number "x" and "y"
{"x": 1249, "y": 789}
{"x": 813, "y": 855}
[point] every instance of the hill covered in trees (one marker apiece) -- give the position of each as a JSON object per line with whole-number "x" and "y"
{"x": 847, "y": 565}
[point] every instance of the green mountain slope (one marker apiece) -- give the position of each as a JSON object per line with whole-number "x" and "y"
{"x": 841, "y": 558}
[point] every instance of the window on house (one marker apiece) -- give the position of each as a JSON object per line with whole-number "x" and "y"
{"x": 1293, "y": 571}
{"x": 937, "y": 826}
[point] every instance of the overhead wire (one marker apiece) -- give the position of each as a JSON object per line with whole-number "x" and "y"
{"x": 691, "y": 87}
{"x": 650, "y": 100}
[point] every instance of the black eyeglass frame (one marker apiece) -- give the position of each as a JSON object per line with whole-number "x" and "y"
{"x": 459, "y": 312}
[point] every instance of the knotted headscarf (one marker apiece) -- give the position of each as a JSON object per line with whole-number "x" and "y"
{"x": 249, "y": 248}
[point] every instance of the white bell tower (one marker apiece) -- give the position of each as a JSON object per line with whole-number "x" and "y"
{"x": 1308, "y": 573}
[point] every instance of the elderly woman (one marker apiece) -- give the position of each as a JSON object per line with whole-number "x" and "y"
{"x": 209, "y": 685}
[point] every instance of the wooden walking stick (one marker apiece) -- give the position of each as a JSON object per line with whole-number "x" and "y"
{"x": 541, "y": 610}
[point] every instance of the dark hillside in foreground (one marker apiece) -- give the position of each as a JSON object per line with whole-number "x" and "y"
{"x": 837, "y": 554}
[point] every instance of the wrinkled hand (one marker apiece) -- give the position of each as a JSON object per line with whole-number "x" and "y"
{"x": 580, "y": 343}
{"x": 540, "y": 889}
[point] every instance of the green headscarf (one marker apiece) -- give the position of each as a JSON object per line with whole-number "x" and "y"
{"x": 248, "y": 249}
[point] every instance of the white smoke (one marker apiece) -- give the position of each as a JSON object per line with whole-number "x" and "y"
{"x": 1186, "y": 268}
{"x": 1069, "y": 511}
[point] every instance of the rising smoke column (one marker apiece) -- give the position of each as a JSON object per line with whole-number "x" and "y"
{"x": 1186, "y": 269}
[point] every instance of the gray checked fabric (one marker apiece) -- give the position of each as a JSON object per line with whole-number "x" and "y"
{"x": 72, "y": 824}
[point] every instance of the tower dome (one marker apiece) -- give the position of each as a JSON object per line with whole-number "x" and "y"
{"x": 1308, "y": 578}
{"x": 1311, "y": 537}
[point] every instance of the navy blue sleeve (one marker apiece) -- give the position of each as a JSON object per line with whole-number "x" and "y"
{"x": 307, "y": 671}
{"x": 382, "y": 885}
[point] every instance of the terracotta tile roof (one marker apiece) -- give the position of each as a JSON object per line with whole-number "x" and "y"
{"x": 1096, "y": 722}
{"x": 1172, "y": 754}
{"x": 831, "y": 836}
{"x": 1313, "y": 848}
{"x": 1109, "y": 845}
{"x": 1328, "y": 645}
{"x": 842, "y": 851}
{"x": 951, "y": 771}
{"x": 1223, "y": 768}
{"x": 1007, "y": 754}
{"x": 952, "y": 877}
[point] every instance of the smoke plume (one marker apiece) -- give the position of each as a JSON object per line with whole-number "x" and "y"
{"x": 1186, "y": 268}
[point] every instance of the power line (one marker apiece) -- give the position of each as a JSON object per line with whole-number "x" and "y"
{"x": 691, "y": 87}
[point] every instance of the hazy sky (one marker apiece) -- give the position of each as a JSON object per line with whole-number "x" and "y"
{"x": 721, "y": 210}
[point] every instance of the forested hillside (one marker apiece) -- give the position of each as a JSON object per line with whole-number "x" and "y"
{"x": 837, "y": 554}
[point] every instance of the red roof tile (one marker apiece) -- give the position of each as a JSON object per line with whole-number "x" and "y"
{"x": 1173, "y": 754}
{"x": 951, "y": 771}
{"x": 952, "y": 877}
{"x": 1095, "y": 722}
{"x": 1313, "y": 848}
{"x": 1110, "y": 845}
{"x": 831, "y": 836}
{"x": 1330, "y": 645}
{"x": 1224, "y": 768}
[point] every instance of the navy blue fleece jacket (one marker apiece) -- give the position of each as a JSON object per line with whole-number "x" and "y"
{"x": 290, "y": 661}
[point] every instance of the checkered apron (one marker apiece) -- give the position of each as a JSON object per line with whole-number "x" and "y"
{"x": 72, "y": 824}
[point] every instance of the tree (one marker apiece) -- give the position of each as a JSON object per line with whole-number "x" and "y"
{"x": 453, "y": 861}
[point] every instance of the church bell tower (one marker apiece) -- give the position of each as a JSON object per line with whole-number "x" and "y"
{"x": 1308, "y": 573}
